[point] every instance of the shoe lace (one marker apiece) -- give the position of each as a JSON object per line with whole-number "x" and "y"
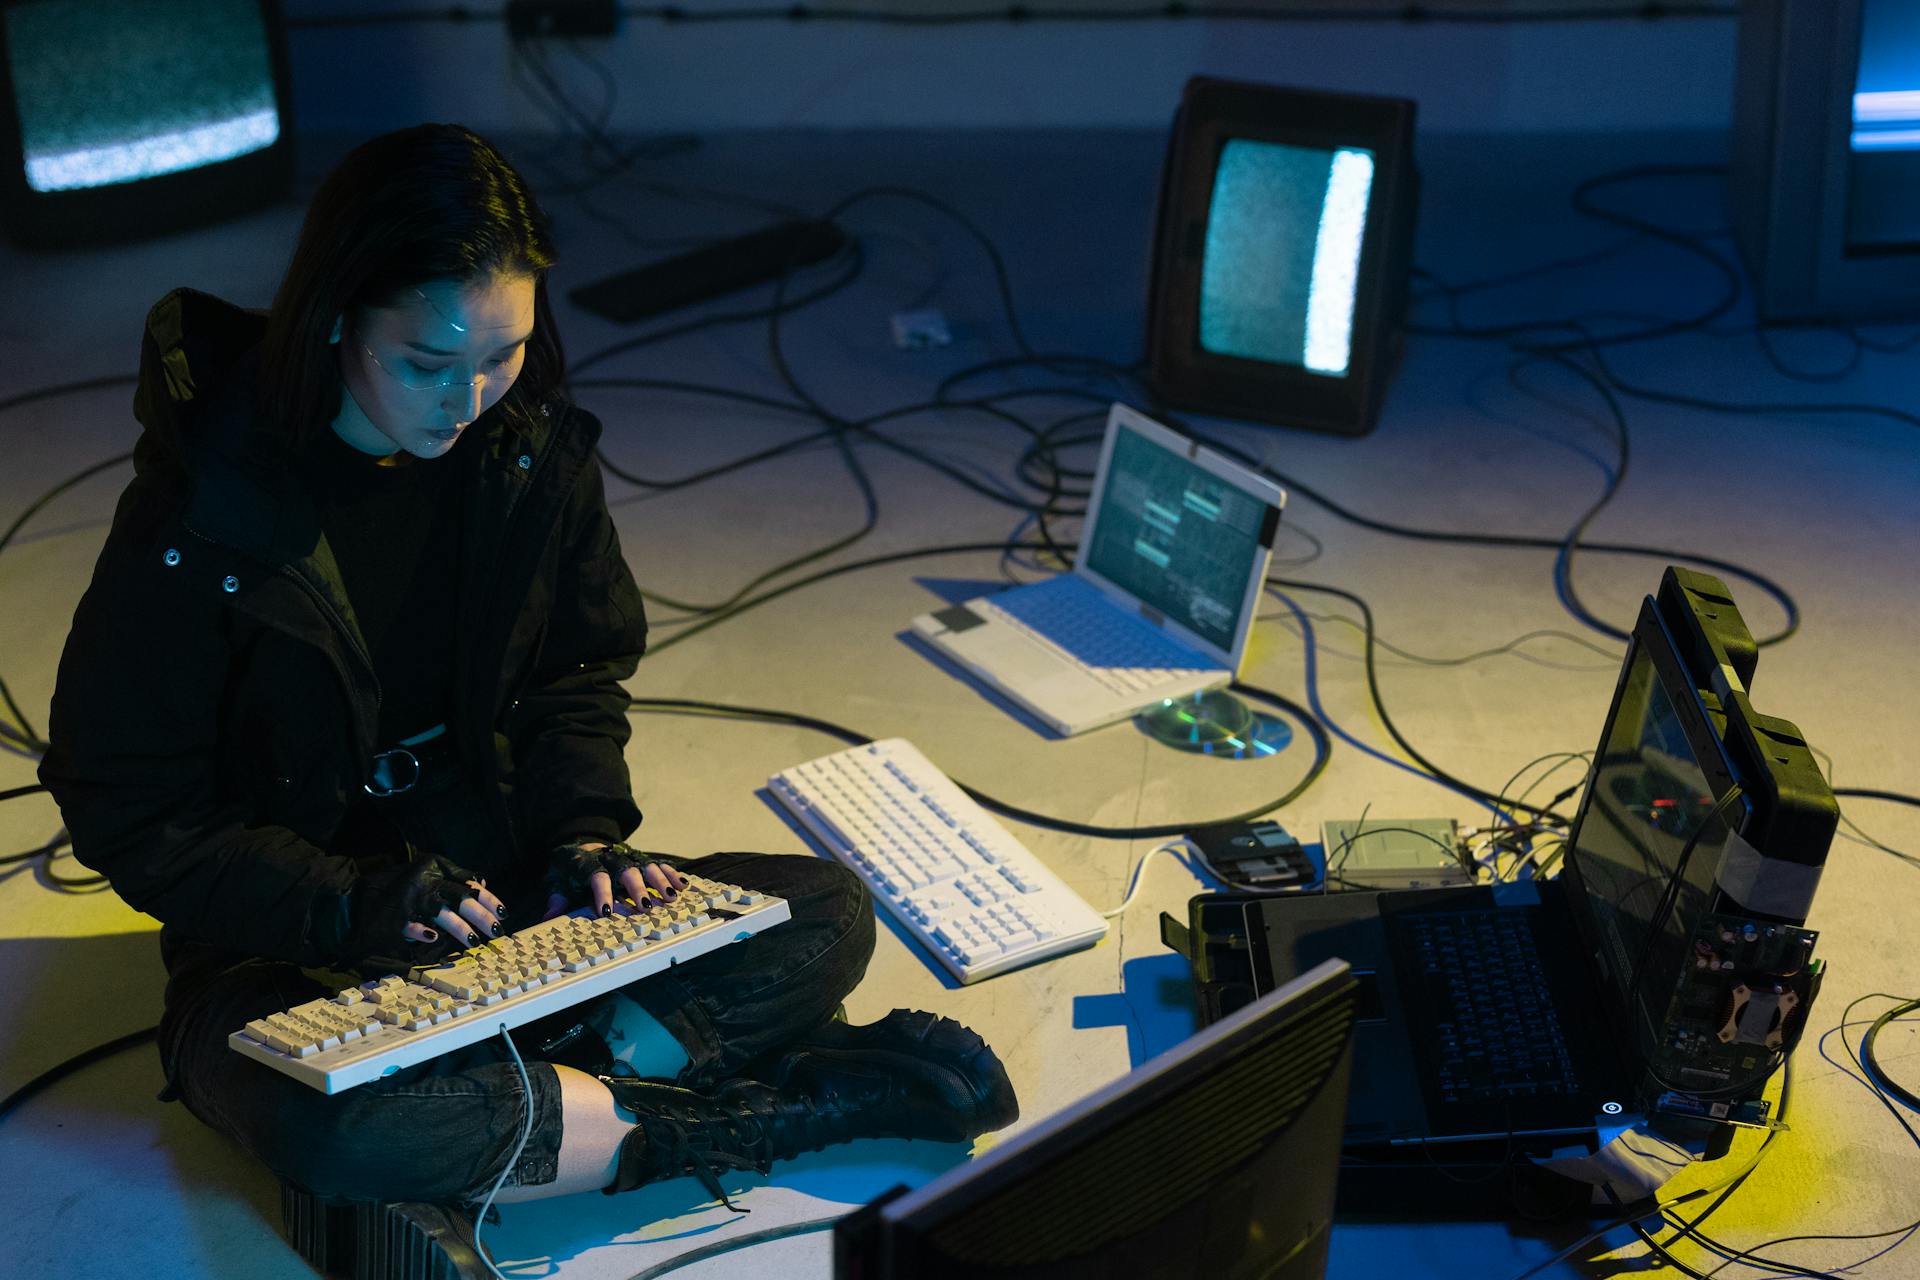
{"x": 684, "y": 1155}
{"x": 736, "y": 1135}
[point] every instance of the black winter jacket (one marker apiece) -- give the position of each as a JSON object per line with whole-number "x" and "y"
{"x": 216, "y": 706}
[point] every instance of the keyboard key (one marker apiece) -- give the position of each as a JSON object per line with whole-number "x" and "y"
{"x": 927, "y": 849}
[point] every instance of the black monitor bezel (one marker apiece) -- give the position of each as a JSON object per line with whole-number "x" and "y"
{"x": 147, "y": 207}
{"x": 1704, "y": 731}
{"x": 894, "y": 1236}
{"x": 1212, "y": 112}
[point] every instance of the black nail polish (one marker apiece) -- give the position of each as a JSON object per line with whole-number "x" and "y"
{"x": 473, "y": 939}
{"x": 497, "y": 930}
{"x": 432, "y": 936}
{"x": 502, "y": 913}
{"x": 606, "y": 908}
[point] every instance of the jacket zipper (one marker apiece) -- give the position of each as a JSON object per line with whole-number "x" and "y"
{"x": 359, "y": 651}
{"x": 497, "y": 652}
{"x": 491, "y": 659}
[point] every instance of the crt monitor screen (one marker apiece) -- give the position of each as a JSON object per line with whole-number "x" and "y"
{"x": 1282, "y": 258}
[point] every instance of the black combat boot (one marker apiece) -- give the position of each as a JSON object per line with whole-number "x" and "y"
{"x": 913, "y": 1073}
{"x": 910, "y": 1075}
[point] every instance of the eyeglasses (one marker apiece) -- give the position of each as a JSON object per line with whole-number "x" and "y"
{"x": 415, "y": 378}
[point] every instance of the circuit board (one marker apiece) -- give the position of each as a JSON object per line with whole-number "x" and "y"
{"x": 1741, "y": 999}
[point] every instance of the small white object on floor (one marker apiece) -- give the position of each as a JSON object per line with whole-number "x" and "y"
{"x": 923, "y": 328}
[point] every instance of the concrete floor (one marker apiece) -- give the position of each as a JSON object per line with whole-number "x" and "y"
{"x": 103, "y": 1180}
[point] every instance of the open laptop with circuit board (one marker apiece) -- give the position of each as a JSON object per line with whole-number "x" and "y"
{"x": 1172, "y": 559}
{"x": 1664, "y": 971}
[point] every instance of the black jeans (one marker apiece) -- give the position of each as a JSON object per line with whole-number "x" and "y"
{"x": 442, "y": 1130}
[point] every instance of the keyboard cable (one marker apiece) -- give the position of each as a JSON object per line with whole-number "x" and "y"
{"x": 526, "y": 1132}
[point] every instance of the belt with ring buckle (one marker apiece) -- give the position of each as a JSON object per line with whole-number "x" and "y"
{"x": 398, "y": 769}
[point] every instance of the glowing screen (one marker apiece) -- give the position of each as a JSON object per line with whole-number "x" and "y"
{"x": 113, "y": 91}
{"x": 1282, "y": 258}
{"x": 1176, "y": 536}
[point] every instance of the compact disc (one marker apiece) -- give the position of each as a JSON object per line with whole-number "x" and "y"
{"x": 1215, "y": 724}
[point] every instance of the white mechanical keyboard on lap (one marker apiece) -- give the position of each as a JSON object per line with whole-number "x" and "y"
{"x": 378, "y": 1027}
{"x": 959, "y": 881}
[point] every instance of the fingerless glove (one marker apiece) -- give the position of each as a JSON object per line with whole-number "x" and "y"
{"x": 570, "y": 866}
{"x": 385, "y": 901}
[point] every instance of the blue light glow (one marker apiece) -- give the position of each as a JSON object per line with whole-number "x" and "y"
{"x": 1886, "y": 121}
{"x": 1336, "y": 262}
{"x": 152, "y": 156}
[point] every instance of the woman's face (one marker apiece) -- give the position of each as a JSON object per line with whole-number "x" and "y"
{"x": 418, "y": 373}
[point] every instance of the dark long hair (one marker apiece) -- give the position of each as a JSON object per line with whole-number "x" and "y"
{"x": 431, "y": 202}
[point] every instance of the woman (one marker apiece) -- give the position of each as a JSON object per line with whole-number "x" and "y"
{"x": 344, "y": 695}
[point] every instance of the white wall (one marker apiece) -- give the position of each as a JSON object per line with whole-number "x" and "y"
{"x": 1624, "y": 74}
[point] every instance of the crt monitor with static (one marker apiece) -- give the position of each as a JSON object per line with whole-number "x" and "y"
{"x": 180, "y": 119}
{"x": 1281, "y": 254}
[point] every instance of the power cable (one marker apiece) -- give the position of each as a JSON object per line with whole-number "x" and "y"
{"x": 526, "y": 1132}
{"x": 1866, "y": 1081}
{"x": 1509, "y": 647}
{"x": 60, "y": 1071}
{"x": 1310, "y": 652}
{"x": 1871, "y": 1064}
{"x": 1321, "y": 744}
{"x": 1635, "y": 1216}
{"x": 1865, "y": 793}
{"x": 1752, "y": 407}
{"x": 696, "y": 626}
{"x": 760, "y": 1235}
{"x": 1380, "y": 707}
{"x": 1558, "y": 545}
{"x": 1582, "y": 200}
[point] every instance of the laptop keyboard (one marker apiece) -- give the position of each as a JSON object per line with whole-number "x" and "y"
{"x": 1075, "y": 620}
{"x": 1496, "y": 1034}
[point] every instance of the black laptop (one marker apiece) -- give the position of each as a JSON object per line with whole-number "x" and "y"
{"x": 1522, "y": 1014}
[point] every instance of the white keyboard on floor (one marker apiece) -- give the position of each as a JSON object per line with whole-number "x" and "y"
{"x": 378, "y": 1027}
{"x": 971, "y": 893}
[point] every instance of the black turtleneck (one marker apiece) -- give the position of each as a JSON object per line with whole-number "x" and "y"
{"x": 395, "y": 533}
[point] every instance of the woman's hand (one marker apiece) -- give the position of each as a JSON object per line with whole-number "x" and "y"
{"x": 474, "y": 919}
{"x": 424, "y": 901}
{"x": 589, "y": 869}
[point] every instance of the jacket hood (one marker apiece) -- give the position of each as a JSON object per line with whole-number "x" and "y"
{"x": 193, "y": 345}
{"x": 199, "y": 364}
